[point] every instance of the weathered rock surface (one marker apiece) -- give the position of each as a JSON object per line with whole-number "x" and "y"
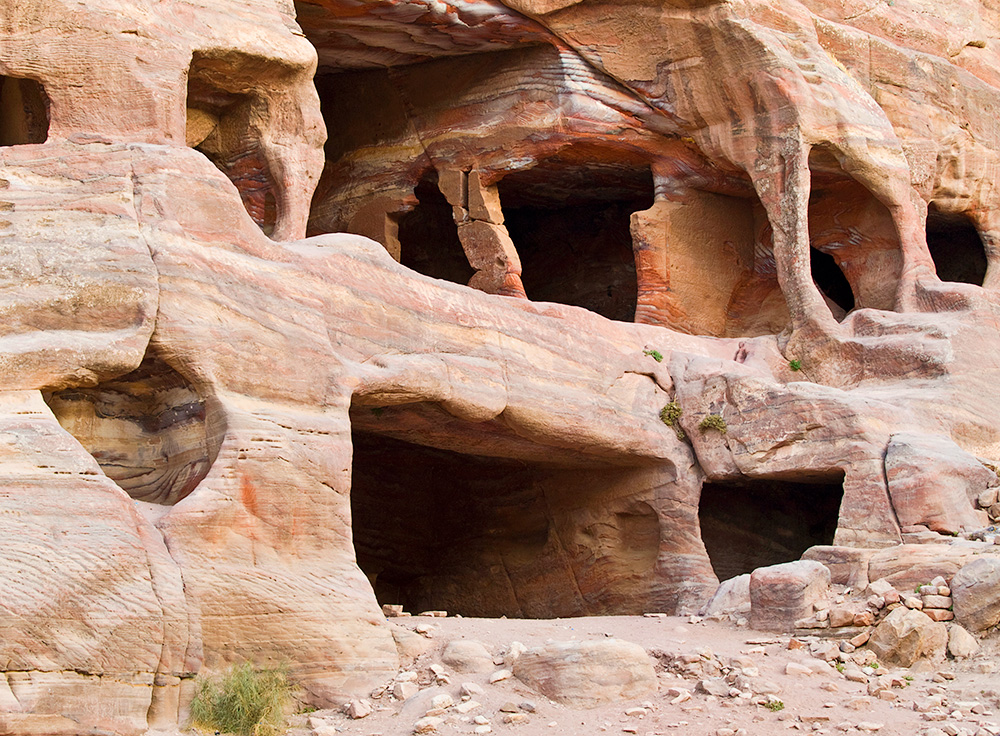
{"x": 781, "y": 595}
{"x": 905, "y": 636}
{"x": 587, "y": 673}
{"x": 976, "y": 592}
{"x": 221, "y": 441}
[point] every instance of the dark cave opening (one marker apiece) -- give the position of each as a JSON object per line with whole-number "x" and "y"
{"x": 570, "y": 220}
{"x": 147, "y": 430}
{"x": 220, "y": 115}
{"x": 428, "y": 237}
{"x": 755, "y": 522}
{"x": 830, "y": 279}
{"x": 439, "y": 530}
{"x": 24, "y": 112}
{"x": 956, "y": 247}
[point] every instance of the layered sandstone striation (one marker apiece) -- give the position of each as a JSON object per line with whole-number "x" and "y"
{"x": 548, "y": 240}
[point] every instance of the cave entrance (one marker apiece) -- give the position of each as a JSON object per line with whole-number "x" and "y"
{"x": 24, "y": 112}
{"x": 570, "y": 218}
{"x": 439, "y": 530}
{"x": 220, "y": 115}
{"x": 146, "y": 429}
{"x": 956, "y": 247}
{"x": 428, "y": 237}
{"x": 830, "y": 280}
{"x": 755, "y": 522}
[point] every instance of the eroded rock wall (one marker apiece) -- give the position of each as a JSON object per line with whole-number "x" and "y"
{"x": 225, "y": 442}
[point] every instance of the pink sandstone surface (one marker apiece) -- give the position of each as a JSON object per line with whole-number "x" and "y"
{"x": 532, "y": 227}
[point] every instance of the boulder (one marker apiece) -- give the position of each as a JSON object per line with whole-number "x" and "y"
{"x": 961, "y": 643}
{"x": 466, "y": 656}
{"x": 732, "y": 596}
{"x": 782, "y": 594}
{"x": 975, "y": 590}
{"x": 587, "y": 674}
{"x": 906, "y": 635}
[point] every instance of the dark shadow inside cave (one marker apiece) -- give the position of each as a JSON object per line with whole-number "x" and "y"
{"x": 569, "y": 218}
{"x": 220, "y": 114}
{"x": 24, "y": 112}
{"x": 435, "y": 529}
{"x": 757, "y": 522}
{"x": 428, "y": 237}
{"x": 147, "y": 430}
{"x": 831, "y": 280}
{"x": 956, "y": 247}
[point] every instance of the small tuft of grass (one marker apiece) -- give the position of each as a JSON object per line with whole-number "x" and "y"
{"x": 774, "y": 705}
{"x": 670, "y": 415}
{"x": 244, "y": 700}
{"x": 795, "y": 365}
{"x": 713, "y": 421}
{"x": 654, "y": 354}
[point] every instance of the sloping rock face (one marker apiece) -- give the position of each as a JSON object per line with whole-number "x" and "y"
{"x": 548, "y": 241}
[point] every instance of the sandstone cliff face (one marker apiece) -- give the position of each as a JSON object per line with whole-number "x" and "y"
{"x": 537, "y": 227}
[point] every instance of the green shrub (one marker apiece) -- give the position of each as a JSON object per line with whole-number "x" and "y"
{"x": 670, "y": 415}
{"x": 654, "y": 354}
{"x": 244, "y": 700}
{"x": 713, "y": 421}
{"x": 795, "y": 365}
{"x": 774, "y": 705}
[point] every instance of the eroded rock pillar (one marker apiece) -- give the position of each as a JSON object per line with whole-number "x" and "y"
{"x": 487, "y": 244}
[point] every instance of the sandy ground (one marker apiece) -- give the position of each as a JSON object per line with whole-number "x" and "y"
{"x": 966, "y": 693}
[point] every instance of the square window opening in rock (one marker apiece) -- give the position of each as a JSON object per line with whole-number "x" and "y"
{"x": 755, "y": 522}
{"x": 24, "y": 112}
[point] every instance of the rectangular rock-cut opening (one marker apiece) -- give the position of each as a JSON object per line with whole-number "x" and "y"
{"x": 24, "y": 112}
{"x": 956, "y": 247}
{"x": 542, "y": 537}
{"x": 569, "y": 218}
{"x": 439, "y": 530}
{"x": 755, "y": 522}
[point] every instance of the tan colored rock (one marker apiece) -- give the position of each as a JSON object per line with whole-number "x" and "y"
{"x": 587, "y": 674}
{"x": 976, "y": 592}
{"x": 781, "y": 595}
{"x": 905, "y": 636}
{"x": 961, "y": 644}
{"x": 466, "y": 655}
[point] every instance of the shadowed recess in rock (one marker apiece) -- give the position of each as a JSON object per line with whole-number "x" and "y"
{"x": 484, "y": 536}
{"x": 569, "y": 218}
{"x": 956, "y": 247}
{"x": 831, "y": 280}
{"x": 24, "y": 112}
{"x": 428, "y": 237}
{"x": 220, "y": 114}
{"x": 145, "y": 429}
{"x": 753, "y": 523}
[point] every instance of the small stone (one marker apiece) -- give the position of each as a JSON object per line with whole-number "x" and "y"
{"x": 500, "y": 676}
{"x": 637, "y": 712}
{"x": 936, "y": 601}
{"x": 508, "y": 707}
{"x": 393, "y": 610}
{"x": 794, "y": 668}
{"x": 861, "y": 639}
{"x": 485, "y": 728}
{"x": 514, "y": 718}
{"x": 444, "y": 700}
{"x": 864, "y": 618}
{"x": 913, "y": 602}
{"x": 357, "y": 709}
{"x": 481, "y": 720}
{"x": 471, "y": 688}
{"x": 870, "y": 726}
{"x": 467, "y": 706}
{"x": 405, "y": 690}
{"x": 527, "y": 706}
{"x": 434, "y": 614}
{"x": 427, "y": 724}
{"x": 938, "y": 614}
